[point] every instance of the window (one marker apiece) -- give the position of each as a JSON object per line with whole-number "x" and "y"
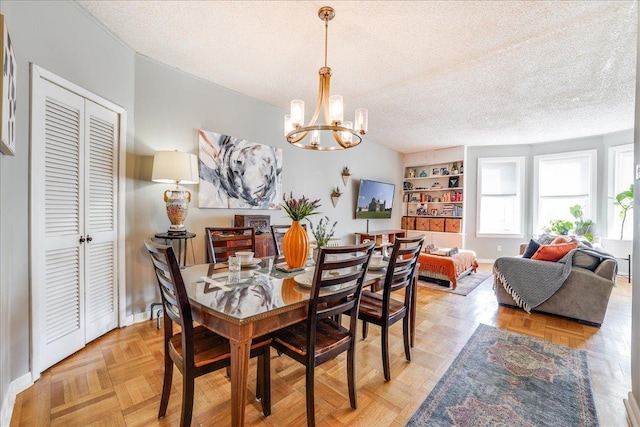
{"x": 500, "y": 195}
{"x": 620, "y": 179}
{"x": 561, "y": 181}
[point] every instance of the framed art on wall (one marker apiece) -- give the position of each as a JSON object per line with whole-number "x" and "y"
{"x": 8, "y": 98}
{"x": 235, "y": 173}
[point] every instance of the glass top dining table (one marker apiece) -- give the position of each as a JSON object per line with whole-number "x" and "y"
{"x": 259, "y": 300}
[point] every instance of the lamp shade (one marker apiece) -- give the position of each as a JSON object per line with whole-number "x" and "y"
{"x": 175, "y": 167}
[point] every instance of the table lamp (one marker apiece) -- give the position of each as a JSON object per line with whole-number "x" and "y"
{"x": 179, "y": 168}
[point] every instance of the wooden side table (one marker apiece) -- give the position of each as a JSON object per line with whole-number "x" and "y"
{"x": 183, "y": 240}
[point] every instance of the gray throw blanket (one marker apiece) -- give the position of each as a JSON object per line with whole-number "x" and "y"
{"x": 531, "y": 282}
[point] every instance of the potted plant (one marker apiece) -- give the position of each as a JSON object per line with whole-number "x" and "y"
{"x": 583, "y": 227}
{"x": 322, "y": 233}
{"x": 295, "y": 242}
{"x": 335, "y": 196}
{"x": 624, "y": 199}
{"x": 346, "y": 173}
{"x": 560, "y": 227}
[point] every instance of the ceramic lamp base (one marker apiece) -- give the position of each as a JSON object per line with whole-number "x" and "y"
{"x": 177, "y": 209}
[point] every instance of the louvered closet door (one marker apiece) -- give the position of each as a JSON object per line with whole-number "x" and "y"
{"x": 57, "y": 225}
{"x": 74, "y": 164}
{"x": 101, "y": 127}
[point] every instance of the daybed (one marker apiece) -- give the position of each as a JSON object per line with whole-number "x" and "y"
{"x": 577, "y": 286}
{"x": 446, "y": 270}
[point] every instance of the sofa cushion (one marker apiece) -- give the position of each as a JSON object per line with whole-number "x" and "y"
{"x": 546, "y": 238}
{"x": 585, "y": 260}
{"x": 532, "y": 247}
{"x": 562, "y": 239}
{"x": 554, "y": 252}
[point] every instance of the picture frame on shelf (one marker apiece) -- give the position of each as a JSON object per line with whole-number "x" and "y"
{"x": 434, "y": 212}
{"x": 435, "y": 171}
{"x": 454, "y": 182}
{"x": 444, "y": 171}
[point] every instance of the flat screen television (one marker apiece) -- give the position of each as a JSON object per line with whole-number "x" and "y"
{"x": 375, "y": 199}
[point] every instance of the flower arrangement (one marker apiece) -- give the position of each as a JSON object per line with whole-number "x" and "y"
{"x": 336, "y": 192}
{"x": 299, "y": 209}
{"x": 322, "y": 233}
{"x": 346, "y": 171}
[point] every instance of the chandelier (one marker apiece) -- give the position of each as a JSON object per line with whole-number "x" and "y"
{"x": 344, "y": 132}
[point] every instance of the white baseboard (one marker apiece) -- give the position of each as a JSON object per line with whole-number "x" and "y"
{"x": 18, "y": 385}
{"x": 139, "y": 317}
{"x": 633, "y": 411}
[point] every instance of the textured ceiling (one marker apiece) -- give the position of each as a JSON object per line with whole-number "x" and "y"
{"x": 432, "y": 73}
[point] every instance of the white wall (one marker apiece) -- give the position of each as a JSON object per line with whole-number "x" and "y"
{"x": 171, "y": 106}
{"x": 60, "y": 37}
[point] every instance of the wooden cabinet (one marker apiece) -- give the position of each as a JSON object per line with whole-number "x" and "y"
{"x": 264, "y": 245}
{"x": 434, "y": 197}
{"x": 383, "y": 238}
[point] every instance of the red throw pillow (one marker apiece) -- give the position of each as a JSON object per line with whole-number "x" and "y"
{"x": 554, "y": 252}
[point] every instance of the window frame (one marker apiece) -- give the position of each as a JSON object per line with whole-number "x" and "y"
{"x": 592, "y": 155}
{"x": 520, "y": 163}
{"x": 615, "y": 152}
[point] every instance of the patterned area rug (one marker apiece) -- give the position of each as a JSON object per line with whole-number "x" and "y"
{"x": 465, "y": 285}
{"x": 506, "y": 379}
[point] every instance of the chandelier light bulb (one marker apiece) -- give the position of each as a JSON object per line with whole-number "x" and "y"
{"x": 297, "y": 112}
{"x": 315, "y": 138}
{"x": 347, "y": 137}
{"x": 288, "y": 125}
{"x": 336, "y": 110}
{"x": 362, "y": 120}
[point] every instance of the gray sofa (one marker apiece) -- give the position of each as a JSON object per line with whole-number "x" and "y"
{"x": 583, "y": 296}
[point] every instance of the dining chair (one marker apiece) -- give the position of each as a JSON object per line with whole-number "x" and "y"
{"x": 335, "y": 289}
{"x": 223, "y": 242}
{"x": 195, "y": 350}
{"x": 382, "y": 309}
{"x": 277, "y": 233}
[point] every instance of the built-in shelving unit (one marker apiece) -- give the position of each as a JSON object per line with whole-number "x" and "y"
{"x": 433, "y": 197}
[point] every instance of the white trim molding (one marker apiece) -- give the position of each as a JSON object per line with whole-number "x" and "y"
{"x": 633, "y": 411}
{"x": 17, "y": 386}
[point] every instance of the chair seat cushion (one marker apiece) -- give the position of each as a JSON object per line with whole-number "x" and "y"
{"x": 371, "y": 305}
{"x": 329, "y": 334}
{"x": 210, "y": 347}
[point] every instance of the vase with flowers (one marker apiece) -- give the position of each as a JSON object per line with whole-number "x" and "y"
{"x": 322, "y": 233}
{"x": 295, "y": 242}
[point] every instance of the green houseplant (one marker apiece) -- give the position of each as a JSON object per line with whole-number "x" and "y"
{"x": 624, "y": 199}
{"x": 560, "y": 227}
{"x": 583, "y": 227}
{"x": 323, "y": 233}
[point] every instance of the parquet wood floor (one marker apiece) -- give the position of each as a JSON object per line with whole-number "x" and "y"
{"x": 116, "y": 380}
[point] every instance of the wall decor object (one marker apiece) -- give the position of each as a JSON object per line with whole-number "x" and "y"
{"x": 261, "y": 223}
{"x": 235, "y": 173}
{"x": 8, "y": 98}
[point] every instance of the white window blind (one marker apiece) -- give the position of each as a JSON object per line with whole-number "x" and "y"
{"x": 560, "y": 181}
{"x": 500, "y": 195}
{"x": 620, "y": 179}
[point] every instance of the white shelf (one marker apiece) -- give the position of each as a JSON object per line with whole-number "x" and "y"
{"x": 434, "y": 203}
{"x": 426, "y": 190}
{"x": 432, "y": 176}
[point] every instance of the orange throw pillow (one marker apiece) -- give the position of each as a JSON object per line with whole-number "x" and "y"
{"x": 561, "y": 239}
{"x": 554, "y": 252}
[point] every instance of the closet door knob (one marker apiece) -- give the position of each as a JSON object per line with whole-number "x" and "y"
{"x": 82, "y": 239}
{"x": 89, "y": 238}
